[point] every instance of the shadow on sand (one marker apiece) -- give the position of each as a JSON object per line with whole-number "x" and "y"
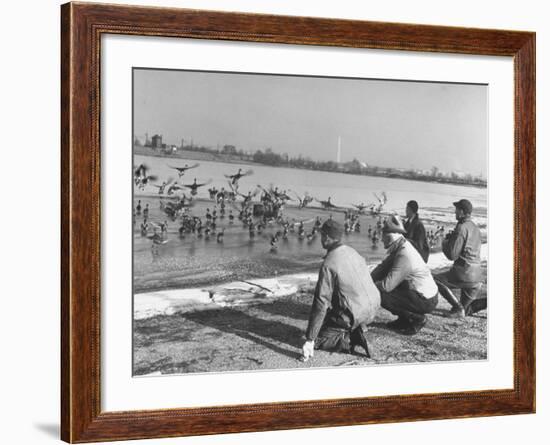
{"x": 291, "y": 309}
{"x": 267, "y": 333}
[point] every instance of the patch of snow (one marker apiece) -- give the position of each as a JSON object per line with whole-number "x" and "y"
{"x": 169, "y": 302}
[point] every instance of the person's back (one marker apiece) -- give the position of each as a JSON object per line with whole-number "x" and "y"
{"x": 345, "y": 298}
{"x": 355, "y": 292}
{"x": 407, "y": 287}
{"x": 418, "y": 275}
{"x": 416, "y": 233}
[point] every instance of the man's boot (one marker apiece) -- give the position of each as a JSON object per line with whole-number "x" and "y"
{"x": 416, "y": 323}
{"x": 479, "y": 304}
{"x": 359, "y": 338}
{"x": 471, "y": 303}
{"x": 457, "y": 310}
{"x": 397, "y": 324}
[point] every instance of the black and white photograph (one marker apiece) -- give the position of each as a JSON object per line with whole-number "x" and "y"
{"x": 291, "y": 222}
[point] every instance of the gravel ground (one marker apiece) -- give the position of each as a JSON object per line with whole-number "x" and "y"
{"x": 270, "y": 335}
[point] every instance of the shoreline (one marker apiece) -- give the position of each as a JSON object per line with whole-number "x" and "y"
{"x": 241, "y": 292}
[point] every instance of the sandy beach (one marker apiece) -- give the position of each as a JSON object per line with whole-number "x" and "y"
{"x": 268, "y": 335}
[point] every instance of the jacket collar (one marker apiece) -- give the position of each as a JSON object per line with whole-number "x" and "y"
{"x": 334, "y": 246}
{"x": 396, "y": 245}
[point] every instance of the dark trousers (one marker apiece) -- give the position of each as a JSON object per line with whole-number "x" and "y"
{"x": 407, "y": 304}
{"x": 468, "y": 291}
{"x": 335, "y": 338}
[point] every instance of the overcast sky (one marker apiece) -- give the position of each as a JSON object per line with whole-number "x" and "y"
{"x": 385, "y": 123}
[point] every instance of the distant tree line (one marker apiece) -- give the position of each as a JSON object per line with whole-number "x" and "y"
{"x": 269, "y": 157}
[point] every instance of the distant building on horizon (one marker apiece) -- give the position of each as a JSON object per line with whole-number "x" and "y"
{"x": 156, "y": 141}
{"x": 229, "y": 149}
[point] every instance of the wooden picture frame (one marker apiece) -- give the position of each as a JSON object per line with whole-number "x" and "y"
{"x": 82, "y": 26}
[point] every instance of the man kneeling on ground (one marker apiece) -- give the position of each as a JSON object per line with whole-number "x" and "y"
{"x": 345, "y": 298}
{"x": 463, "y": 246}
{"x": 406, "y": 285}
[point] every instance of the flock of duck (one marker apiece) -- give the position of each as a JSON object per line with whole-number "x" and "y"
{"x": 259, "y": 211}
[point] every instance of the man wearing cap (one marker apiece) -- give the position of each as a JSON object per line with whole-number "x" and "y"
{"x": 406, "y": 285}
{"x": 463, "y": 246}
{"x": 345, "y": 298}
{"x": 414, "y": 230}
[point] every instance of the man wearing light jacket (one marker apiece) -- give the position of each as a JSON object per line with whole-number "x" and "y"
{"x": 345, "y": 298}
{"x": 406, "y": 285}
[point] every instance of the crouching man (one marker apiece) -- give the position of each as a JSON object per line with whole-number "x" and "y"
{"x": 406, "y": 285}
{"x": 345, "y": 298}
{"x": 463, "y": 246}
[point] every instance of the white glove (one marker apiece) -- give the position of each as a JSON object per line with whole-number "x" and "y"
{"x": 307, "y": 350}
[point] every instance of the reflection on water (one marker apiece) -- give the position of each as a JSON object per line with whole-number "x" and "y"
{"x": 193, "y": 261}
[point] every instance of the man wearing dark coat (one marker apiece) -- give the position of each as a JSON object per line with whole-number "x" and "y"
{"x": 414, "y": 230}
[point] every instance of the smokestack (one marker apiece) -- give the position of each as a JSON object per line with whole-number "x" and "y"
{"x": 339, "y": 152}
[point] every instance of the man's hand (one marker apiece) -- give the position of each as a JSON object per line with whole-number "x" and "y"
{"x": 307, "y": 350}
